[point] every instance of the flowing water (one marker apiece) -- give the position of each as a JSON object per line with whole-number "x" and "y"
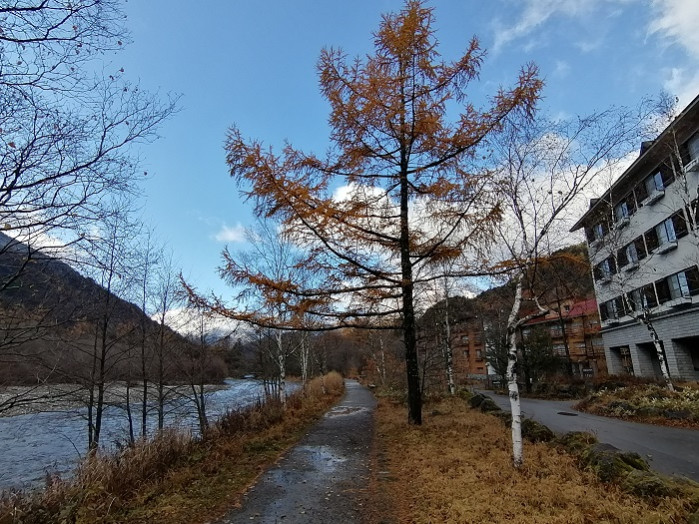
{"x": 36, "y": 444}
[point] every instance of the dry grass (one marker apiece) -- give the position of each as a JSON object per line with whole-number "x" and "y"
{"x": 175, "y": 478}
{"x": 456, "y": 468}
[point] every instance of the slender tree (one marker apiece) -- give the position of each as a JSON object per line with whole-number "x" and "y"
{"x": 546, "y": 167}
{"x": 400, "y": 186}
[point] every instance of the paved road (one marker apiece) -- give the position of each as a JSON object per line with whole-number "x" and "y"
{"x": 325, "y": 477}
{"x": 668, "y": 450}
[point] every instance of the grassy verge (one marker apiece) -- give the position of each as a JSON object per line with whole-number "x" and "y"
{"x": 649, "y": 403}
{"x": 456, "y": 468}
{"x": 175, "y": 478}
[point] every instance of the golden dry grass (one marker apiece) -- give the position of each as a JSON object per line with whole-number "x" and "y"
{"x": 456, "y": 468}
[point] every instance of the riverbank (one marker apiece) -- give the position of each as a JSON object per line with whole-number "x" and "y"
{"x": 177, "y": 478}
{"x": 42, "y": 398}
{"x": 456, "y": 468}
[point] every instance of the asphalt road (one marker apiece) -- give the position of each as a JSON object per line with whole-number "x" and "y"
{"x": 672, "y": 451}
{"x": 324, "y": 478}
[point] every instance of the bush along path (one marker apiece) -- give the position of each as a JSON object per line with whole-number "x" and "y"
{"x": 325, "y": 477}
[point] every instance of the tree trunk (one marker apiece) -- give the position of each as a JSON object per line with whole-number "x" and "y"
{"x": 564, "y": 334}
{"x": 409, "y": 337}
{"x": 129, "y": 414}
{"x": 513, "y": 389}
{"x": 303, "y": 356}
{"x": 281, "y": 367}
{"x": 448, "y": 353}
{"x": 645, "y": 318}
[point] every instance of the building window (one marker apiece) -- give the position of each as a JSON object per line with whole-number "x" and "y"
{"x": 643, "y": 298}
{"x": 682, "y": 284}
{"x": 637, "y": 250}
{"x": 667, "y": 232}
{"x": 605, "y": 269}
{"x": 612, "y": 309}
{"x": 598, "y": 231}
{"x": 621, "y": 211}
{"x": 654, "y": 183}
{"x": 625, "y": 208}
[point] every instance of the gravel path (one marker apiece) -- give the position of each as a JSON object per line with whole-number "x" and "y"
{"x": 325, "y": 477}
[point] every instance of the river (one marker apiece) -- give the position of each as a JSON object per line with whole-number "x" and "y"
{"x": 35, "y": 444}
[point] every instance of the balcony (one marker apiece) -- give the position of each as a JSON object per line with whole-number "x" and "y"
{"x": 651, "y": 199}
{"x": 610, "y": 322}
{"x": 693, "y": 165}
{"x": 604, "y": 280}
{"x": 680, "y": 302}
{"x": 631, "y": 266}
{"x": 622, "y": 223}
{"x": 667, "y": 247}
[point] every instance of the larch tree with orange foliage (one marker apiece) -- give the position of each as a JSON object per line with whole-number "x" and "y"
{"x": 401, "y": 188}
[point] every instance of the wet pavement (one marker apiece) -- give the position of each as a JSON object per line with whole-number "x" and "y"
{"x": 325, "y": 477}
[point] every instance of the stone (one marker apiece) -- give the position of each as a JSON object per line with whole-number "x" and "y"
{"x": 575, "y": 442}
{"x": 476, "y": 400}
{"x": 488, "y": 405}
{"x": 610, "y": 463}
{"x": 536, "y": 432}
{"x": 648, "y": 484}
{"x": 677, "y": 414}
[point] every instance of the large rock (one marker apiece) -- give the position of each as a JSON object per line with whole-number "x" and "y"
{"x": 610, "y": 463}
{"x": 476, "y": 400}
{"x": 576, "y": 442}
{"x": 488, "y": 405}
{"x": 536, "y": 432}
{"x": 648, "y": 484}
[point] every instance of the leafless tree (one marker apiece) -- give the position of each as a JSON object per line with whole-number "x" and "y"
{"x": 546, "y": 167}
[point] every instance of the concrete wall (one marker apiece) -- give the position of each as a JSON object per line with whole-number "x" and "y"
{"x": 672, "y": 329}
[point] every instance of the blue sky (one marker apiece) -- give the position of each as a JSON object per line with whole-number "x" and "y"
{"x": 253, "y": 64}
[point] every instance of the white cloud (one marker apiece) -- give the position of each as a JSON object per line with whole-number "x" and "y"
{"x": 230, "y": 233}
{"x": 677, "y": 21}
{"x": 537, "y": 12}
{"x": 683, "y": 84}
{"x": 562, "y": 69}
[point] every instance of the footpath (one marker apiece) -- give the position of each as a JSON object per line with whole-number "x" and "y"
{"x": 325, "y": 477}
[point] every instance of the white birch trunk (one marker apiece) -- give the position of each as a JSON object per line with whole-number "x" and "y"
{"x": 380, "y": 362}
{"x": 645, "y": 319}
{"x": 658, "y": 350}
{"x": 513, "y": 389}
{"x": 448, "y": 354}
{"x": 281, "y": 364}
{"x": 304, "y": 357}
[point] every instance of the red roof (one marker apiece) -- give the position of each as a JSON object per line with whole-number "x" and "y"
{"x": 578, "y": 309}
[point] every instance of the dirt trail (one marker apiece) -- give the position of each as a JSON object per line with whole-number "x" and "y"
{"x": 325, "y": 477}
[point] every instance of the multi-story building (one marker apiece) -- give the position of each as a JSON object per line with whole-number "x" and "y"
{"x": 575, "y": 336}
{"x": 468, "y": 348}
{"x": 642, "y": 238}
